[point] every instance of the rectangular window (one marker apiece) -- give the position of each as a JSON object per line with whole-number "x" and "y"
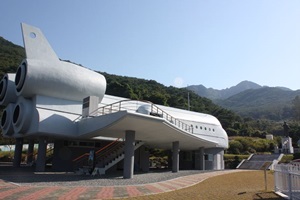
{"x": 209, "y": 157}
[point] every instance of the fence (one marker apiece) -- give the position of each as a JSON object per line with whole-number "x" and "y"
{"x": 287, "y": 180}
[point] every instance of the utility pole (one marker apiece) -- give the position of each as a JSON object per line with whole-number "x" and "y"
{"x": 189, "y": 106}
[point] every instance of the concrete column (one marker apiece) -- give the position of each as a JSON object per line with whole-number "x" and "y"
{"x": 222, "y": 158}
{"x": 18, "y": 152}
{"x": 129, "y": 154}
{"x": 175, "y": 161}
{"x": 144, "y": 159}
{"x": 215, "y": 158}
{"x": 197, "y": 160}
{"x": 61, "y": 157}
{"x": 41, "y": 157}
{"x": 202, "y": 158}
{"x": 30, "y": 151}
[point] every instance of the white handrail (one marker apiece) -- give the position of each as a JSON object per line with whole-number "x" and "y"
{"x": 130, "y": 105}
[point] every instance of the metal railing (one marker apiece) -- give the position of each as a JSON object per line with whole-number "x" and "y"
{"x": 83, "y": 159}
{"x": 133, "y": 106}
{"x": 287, "y": 179}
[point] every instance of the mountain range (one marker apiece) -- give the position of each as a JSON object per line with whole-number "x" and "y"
{"x": 250, "y": 99}
{"x": 214, "y": 94}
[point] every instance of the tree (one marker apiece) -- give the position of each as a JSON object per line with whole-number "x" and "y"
{"x": 235, "y": 147}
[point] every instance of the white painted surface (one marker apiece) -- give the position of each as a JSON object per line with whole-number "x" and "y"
{"x": 45, "y": 75}
{"x": 7, "y": 89}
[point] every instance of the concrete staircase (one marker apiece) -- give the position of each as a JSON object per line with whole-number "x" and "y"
{"x": 260, "y": 161}
{"x": 100, "y": 169}
{"x": 105, "y": 158}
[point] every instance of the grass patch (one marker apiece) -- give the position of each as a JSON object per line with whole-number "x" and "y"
{"x": 287, "y": 158}
{"x": 235, "y": 186}
{"x": 232, "y": 156}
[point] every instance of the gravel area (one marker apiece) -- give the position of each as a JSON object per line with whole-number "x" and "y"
{"x": 26, "y": 177}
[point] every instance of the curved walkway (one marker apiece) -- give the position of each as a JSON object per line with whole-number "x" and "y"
{"x": 29, "y": 185}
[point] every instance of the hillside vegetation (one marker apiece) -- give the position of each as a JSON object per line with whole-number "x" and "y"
{"x": 215, "y": 94}
{"x": 11, "y": 56}
{"x": 268, "y": 102}
{"x": 249, "y": 99}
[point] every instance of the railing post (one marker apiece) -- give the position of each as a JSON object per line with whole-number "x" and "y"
{"x": 275, "y": 180}
{"x": 290, "y": 184}
{"x": 151, "y": 110}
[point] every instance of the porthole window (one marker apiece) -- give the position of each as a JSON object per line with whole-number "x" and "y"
{"x": 213, "y": 130}
{"x": 201, "y": 127}
{"x": 209, "y": 129}
{"x": 196, "y": 126}
{"x": 204, "y": 128}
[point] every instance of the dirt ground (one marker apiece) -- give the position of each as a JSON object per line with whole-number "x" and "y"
{"x": 236, "y": 186}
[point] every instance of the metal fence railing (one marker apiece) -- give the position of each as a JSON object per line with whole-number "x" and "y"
{"x": 287, "y": 179}
{"x": 133, "y": 106}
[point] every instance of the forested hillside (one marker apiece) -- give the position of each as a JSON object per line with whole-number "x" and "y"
{"x": 215, "y": 94}
{"x": 11, "y": 56}
{"x": 268, "y": 102}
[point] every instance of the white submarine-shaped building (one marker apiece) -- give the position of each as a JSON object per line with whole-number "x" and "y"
{"x": 53, "y": 101}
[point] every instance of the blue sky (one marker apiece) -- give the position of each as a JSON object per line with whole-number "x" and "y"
{"x": 216, "y": 43}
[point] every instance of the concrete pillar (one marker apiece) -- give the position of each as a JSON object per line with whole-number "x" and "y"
{"x": 198, "y": 159}
{"x": 62, "y": 157}
{"x": 202, "y": 158}
{"x": 41, "y": 157}
{"x": 144, "y": 159}
{"x": 129, "y": 154}
{"x": 175, "y": 161}
{"x": 222, "y": 158}
{"x": 18, "y": 152}
{"x": 30, "y": 151}
{"x": 215, "y": 158}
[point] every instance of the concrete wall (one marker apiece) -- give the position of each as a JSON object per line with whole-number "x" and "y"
{"x": 214, "y": 159}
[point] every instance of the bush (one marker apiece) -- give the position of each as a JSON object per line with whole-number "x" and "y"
{"x": 286, "y": 158}
{"x": 249, "y": 145}
{"x": 296, "y": 156}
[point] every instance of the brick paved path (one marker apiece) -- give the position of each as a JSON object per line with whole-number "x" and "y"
{"x": 13, "y": 191}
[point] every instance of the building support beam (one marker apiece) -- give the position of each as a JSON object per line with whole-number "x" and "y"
{"x": 144, "y": 159}
{"x": 18, "y": 152}
{"x": 41, "y": 157}
{"x": 129, "y": 154}
{"x": 175, "y": 156}
{"x": 202, "y": 158}
{"x": 30, "y": 152}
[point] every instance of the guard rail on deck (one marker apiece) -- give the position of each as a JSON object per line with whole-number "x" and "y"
{"x": 287, "y": 180}
{"x": 133, "y": 105}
